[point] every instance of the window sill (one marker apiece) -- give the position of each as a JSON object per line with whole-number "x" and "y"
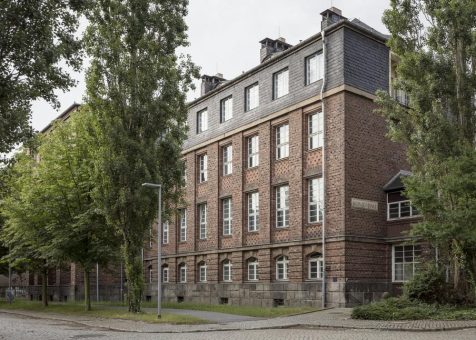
{"x": 202, "y": 239}
{"x": 204, "y": 182}
{"x": 227, "y": 175}
{"x": 314, "y": 149}
{"x": 227, "y": 236}
{"x": 402, "y": 218}
{"x": 253, "y": 231}
{"x": 285, "y": 227}
{"x": 252, "y": 167}
{"x": 281, "y": 159}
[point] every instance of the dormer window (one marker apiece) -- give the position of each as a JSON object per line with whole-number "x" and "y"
{"x": 398, "y": 206}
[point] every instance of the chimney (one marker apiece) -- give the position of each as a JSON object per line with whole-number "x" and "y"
{"x": 270, "y": 47}
{"x": 331, "y": 16}
{"x": 210, "y": 83}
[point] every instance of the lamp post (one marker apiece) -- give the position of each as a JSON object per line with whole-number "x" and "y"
{"x": 159, "y": 243}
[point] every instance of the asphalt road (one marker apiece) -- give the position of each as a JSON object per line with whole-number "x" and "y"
{"x": 13, "y": 327}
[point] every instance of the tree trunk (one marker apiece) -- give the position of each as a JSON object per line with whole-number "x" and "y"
{"x": 87, "y": 290}
{"x": 135, "y": 277}
{"x": 44, "y": 287}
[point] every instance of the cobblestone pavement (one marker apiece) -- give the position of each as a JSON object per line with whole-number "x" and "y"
{"x": 26, "y": 328}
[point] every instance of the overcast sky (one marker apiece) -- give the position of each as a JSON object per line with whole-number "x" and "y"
{"x": 224, "y": 36}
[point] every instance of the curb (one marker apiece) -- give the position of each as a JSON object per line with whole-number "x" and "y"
{"x": 290, "y": 326}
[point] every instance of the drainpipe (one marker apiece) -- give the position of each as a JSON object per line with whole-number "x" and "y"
{"x": 323, "y": 246}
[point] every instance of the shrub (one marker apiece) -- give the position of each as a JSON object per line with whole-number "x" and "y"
{"x": 428, "y": 286}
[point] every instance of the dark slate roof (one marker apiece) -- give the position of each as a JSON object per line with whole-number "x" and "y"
{"x": 63, "y": 116}
{"x": 396, "y": 182}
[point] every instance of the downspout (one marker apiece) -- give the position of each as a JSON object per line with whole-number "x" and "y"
{"x": 323, "y": 246}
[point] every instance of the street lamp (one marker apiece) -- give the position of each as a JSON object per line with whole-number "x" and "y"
{"x": 159, "y": 243}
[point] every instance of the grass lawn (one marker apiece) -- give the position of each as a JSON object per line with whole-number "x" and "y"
{"x": 99, "y": 310}
{"x": 404, "y": 309}
{"x": 262, "y": 312}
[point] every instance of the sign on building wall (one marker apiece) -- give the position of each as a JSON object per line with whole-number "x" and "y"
{"x": 357, "y": 203}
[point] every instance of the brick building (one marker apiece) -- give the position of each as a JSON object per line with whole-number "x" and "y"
{"x": 277, "y": 156}
{"x": 293, "y": 192}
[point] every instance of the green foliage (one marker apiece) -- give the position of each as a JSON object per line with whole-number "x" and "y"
{"x": 404, "y": 309}
{"x": 436, "y": 49}
{"x": 35, "y": 38}
{"x": 136, "y": 88}
{"x": 428, "y": 285}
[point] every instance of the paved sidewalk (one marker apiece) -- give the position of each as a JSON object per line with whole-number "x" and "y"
{"x": 338, "y": 318}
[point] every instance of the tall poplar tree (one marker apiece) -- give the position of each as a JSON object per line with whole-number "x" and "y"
{"x": 136, "y": 87}
{"x": 435, "y": 43}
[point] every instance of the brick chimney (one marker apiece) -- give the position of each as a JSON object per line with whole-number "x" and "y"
{"x": 209, "y": 83}
{"x": 270, "y": 46}
{"x": 331, "y": 16}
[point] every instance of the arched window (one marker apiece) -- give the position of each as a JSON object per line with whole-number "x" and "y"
{"x": 182, "y": 272}
{"x": 202, "y": 271}
{"x": 165, "y": 273}
{"x": 315, "y": 266}
{"x": 253, "y": 269}
{"x": 282, "y": 268}
{"x": 227, "y": 271}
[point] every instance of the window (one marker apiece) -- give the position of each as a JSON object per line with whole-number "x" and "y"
{"x": 202, "y": 121}
{"x": 315, "y": 267}
{"x": 252, "y": 270}
{"x": 165, "y": 273}
{"x": 227, "y": 271}
{"x": 282, "y": 206}
{"x": 227, "y": 218}
{"x": 314, "y": 68}
{"x": 203, "y": 168}
{"x": 202, "y": 272}
{"x": 316, "y": 130}
{"x": 316, "y": 200}
{"x": 399, "y": 207}
{"x": 405, "y": 262}
{"x": 150, "y": 237}
{"x": 282, "y": 268}
{"x": 184, "y": 176}
{"x": 226, "y": 109}
{"x": 282, "y": 141}
{"x": 183, "y": 225}
{"x": 251, "y": 97}
{"x": 227, "y": 160}
{"x": 151, "y": 273}
{"x": 182, "y": 273}
{"x": 253, "y": 151}
{"x": 280, "y": 83}
{"x": 202, "y": 218}
{"x": 165, "y": 232}
{"x": 253, "y": 211}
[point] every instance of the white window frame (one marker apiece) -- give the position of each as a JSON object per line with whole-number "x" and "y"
{"x": 202, "y": 121}
{"x": 413, "y": 211}
{"x": 253, "y": 211}
{"x": 183, "y": 273}
{"x": 165, "y": 274}
{"x": 202, "y": 220}
{"x": 253, "y": 270}
{"x": 227, "y": 271}
{"x": 227, "y": 152}
{"x": 226, "y": 109}
{"x": 202, "y": 272}
{"x": 251, "y": 97}
{"x": 183, "y": 225}
{"x": 282, "y": 141}
{"x": 203, "y": 168}
{"x": 227, "y": 215}
{"x": 282, "y": 261}
{"x": 414, "y": 264}
{"x": 253, "y": 151}
{"x": 318, "y": 60}
{"x": 315, "y": 130}
{"x": 165, "y": 232}
{"x": 315, "y": 205}
{"x": 151, "y": 273}
{"x": 280, "y": 83}
{"x": 282, "y": 206}
{"x": 318, "y": 261}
